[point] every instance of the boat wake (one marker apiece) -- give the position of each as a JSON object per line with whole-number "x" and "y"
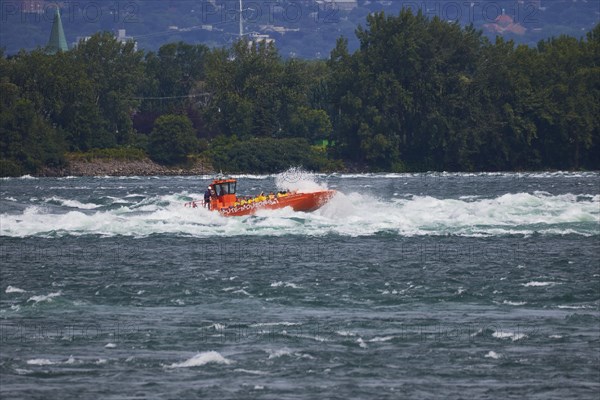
{"x": 347, "y": 214}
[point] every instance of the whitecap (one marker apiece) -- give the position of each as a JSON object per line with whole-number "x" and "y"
{"x": 279, "y": 353}
{"x": 381, "y": 339}
{"x": 13, "y": 289}
{"x": 572, "y": 307}
{"x": 361, "y": 343}
{"x": 536, "y": 284}
{"x": 509, "y": 335}
{"x": 479, "y": 332}
{"x": 514, "y": 303}
{"x": 284, "y": 323}
{"x": 285, "y": 284}
{"x": 22, "y": 371}
{"x": 250, "y": 371}
{"x": 40, "y": 361}
{"x": 72, "y": 203}
{"x": 201, "y": 359}
{"x": 110, "y": 346}
{"x": 492, "y": 354}
{"x": 47, "y": 297}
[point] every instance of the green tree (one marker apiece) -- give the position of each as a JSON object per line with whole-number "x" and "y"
{"x": 114, "y": 73}
{"x": 172, "y": 139}
{"x": 174, "y": 75}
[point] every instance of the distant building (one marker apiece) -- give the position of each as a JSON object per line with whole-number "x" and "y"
{"x": 57, "y": 41}
{"x": 278, "y": 29}
{"x": 80, "y": 39}
{"x": 342, "y": 5}
{"x": 258, "y": 38}
{"x": 123, "y": 38}
{"x": 505, "y": 24}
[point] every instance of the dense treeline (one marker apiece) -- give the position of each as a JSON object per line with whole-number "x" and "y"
{"x": 419, "y": 94}
{"x": 425, "y": 94}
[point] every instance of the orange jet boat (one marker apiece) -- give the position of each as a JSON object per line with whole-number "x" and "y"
{"x": 224, "y": 199}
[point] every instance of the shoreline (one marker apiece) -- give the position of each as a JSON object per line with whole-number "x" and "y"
{"x": 147, "y": 167}
{"x": 111, "y": 167}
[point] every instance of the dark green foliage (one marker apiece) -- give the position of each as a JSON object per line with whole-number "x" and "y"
{"x": 176, "y": 72}
{"x": 10, "y": 168}
{"x": 27, "y": 141}
{"x": 265, "y": 155}
{"x": 431, "y": 95}
{"x": 256, "y": 94}
{"x": 172, "y": 139}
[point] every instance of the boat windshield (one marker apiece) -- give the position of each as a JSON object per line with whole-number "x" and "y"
{"x": 225, "y": 188}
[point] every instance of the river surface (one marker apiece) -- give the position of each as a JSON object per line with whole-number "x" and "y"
{"x": 418, "y": 286}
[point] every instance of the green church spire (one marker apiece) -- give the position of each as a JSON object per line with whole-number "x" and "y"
{"x": 57, "y": 36}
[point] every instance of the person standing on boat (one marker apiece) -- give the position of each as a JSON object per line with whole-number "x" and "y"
{"x": 207, "y": 196}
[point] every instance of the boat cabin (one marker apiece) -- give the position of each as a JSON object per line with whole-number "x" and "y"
{"x": 224, "y": 193}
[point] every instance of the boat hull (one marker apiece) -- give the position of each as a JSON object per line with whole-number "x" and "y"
{"x": 297, "y": 201}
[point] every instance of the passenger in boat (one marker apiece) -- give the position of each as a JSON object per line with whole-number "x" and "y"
{"x": 271, "y": 196}
{"x": 207, "y": 195}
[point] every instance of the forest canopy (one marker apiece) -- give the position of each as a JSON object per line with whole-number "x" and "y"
{"x": 419, "y": 94}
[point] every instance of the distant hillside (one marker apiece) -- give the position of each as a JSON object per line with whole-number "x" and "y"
{"x": 300, "y": 28}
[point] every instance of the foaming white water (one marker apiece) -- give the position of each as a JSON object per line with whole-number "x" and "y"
{"x": 536, "y": 284}
{"x": 285, "y": 284}
{"x": 13, "y": 289}
{"x": 509, "y": 335}
{"x": 203, "y": 358}
{"x": 279, "y": 353}
{"x": 352, "y": 214}
{"x": 40, "y": 361}
{"x": 514, "y": 303}
{"x": 300, "y": 180}
{"x": 71, "y": 203}
{"x": 47, "y": 297}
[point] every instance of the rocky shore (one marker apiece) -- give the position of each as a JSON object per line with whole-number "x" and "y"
{"x": 107, "y": 167}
